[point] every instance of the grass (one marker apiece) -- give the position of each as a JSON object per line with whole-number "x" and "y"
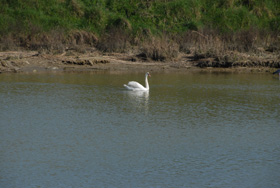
{"x": 213, "y": 25}
{"x": 157, "y": 15}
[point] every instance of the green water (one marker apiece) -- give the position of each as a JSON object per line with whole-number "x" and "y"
{"x": 190, "y": 130}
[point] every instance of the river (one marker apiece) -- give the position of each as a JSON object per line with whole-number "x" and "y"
{"x": 191, "y": 130}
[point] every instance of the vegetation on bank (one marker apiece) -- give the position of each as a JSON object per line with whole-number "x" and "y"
{"x": 159, "y": 29}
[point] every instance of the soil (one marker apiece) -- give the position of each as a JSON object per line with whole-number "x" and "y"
{"x": 72, "y": 61}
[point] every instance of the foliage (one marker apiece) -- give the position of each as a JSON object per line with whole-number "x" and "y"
{"x": 156, "y": 15}
{"x": 155, "y": 26}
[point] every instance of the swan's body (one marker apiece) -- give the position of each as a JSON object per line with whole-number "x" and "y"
{"x": 135, "y": 86}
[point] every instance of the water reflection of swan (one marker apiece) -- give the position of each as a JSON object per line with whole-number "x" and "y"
{"x": 139, "y": 99}
{"x": 135, "y": 86}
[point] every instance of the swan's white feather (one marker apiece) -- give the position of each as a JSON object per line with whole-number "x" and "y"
{"x": 135, "y": 86}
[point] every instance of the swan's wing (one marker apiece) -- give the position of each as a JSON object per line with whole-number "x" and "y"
{"x": 135, "y": 85}
{"x": 127, "y": 87}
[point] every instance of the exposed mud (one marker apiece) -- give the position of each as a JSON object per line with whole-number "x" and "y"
{"x": 33, "y": 61}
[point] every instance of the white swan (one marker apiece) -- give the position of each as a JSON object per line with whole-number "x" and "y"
{"x": 135, "y": 86}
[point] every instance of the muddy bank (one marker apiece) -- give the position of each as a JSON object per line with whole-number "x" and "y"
{"x": 34, "y": 61}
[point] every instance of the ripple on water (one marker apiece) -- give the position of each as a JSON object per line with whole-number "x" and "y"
{"x": 190, "y": 130}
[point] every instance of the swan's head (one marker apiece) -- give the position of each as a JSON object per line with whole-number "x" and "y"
{"x": 148, "y": 74}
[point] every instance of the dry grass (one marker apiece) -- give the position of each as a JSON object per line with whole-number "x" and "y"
{"x": 82, "y": 38}
{"x": 226, "y": 47}
{"x": 117, "y": 40}
{"x": 7, "y": 43}
{"x": 160, "y": 49}
{"x": 222, "y": 47}
{"x": 55, "y": 41}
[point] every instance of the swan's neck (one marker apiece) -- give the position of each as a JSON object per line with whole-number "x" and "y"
{"x": 146, "y": 82}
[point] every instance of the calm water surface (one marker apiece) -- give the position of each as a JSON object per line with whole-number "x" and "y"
{"x": 190, "y": 130}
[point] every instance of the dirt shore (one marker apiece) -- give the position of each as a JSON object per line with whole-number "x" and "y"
{"x": 71, "y": 61}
